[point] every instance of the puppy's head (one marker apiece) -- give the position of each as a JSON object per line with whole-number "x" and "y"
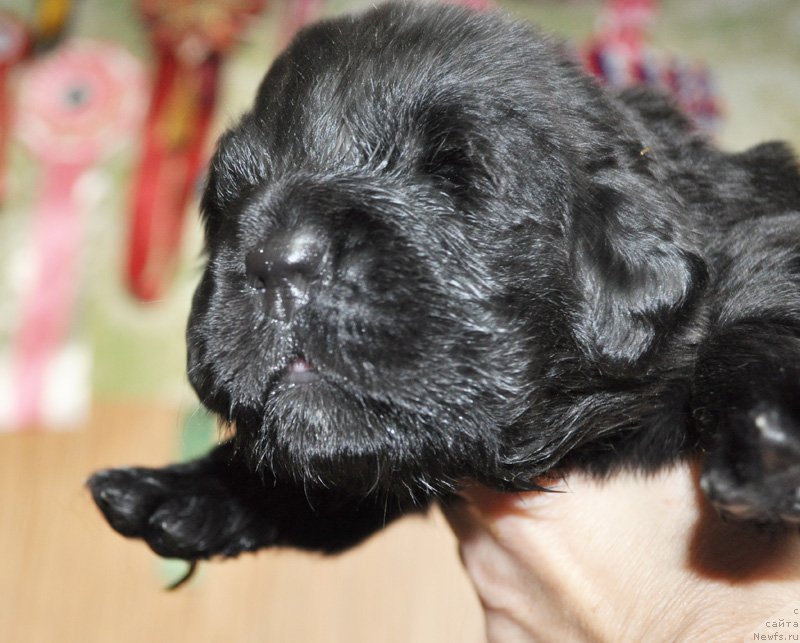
{"x": 400, "y": 242}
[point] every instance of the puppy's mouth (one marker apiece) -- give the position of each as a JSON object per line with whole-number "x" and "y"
{"x": 300, "y": 371}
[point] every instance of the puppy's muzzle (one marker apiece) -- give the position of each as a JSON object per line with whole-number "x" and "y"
{"x": 283, "y": 268}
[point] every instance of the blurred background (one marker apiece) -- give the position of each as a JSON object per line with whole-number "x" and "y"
{"x": 108, "y": 112}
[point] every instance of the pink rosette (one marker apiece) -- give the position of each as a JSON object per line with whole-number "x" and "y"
{"x": 77, "y": 105}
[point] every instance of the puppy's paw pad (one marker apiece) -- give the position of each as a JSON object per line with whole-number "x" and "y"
{"x": 176, "y": 514}
{"x": 754, "y": 474}
{"x": 126, "y": 497}
{"x": 192, "y": 527}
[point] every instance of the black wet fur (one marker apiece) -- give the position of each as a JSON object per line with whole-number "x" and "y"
{"x": 438, "y": 252}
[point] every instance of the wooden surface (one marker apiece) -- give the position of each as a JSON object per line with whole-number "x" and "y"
{"x": 66, "y": 577}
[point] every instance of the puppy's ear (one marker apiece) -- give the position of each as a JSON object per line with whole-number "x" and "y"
{"x": 636, "y": 270}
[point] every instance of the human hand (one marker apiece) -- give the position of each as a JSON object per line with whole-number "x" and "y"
{"x": 632, "y": 558}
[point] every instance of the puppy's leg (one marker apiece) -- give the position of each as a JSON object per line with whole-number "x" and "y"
{"x": 216, "y": 506}
{"x": 747, "y": 406}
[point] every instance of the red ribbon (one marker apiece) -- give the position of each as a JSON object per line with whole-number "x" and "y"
{"x": 174, "y": 137}
{"x": 189, "y": 38}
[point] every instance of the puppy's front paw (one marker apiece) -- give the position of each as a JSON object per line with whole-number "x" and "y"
{"x": 179, "y": 515}
{"x": 753, "y": 472}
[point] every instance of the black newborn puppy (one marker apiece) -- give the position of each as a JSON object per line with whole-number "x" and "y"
{"x": 438, "y": 252}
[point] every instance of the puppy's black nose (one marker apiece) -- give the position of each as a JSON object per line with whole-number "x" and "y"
{"x": 283, "y": 267}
